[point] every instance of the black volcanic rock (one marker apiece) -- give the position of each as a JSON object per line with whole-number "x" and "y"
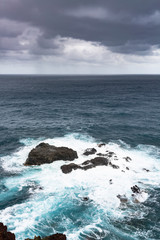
{"x": 89, "y": 151}
{"x": 45, "y": 153}
{"x": 57, "y": 236}
{"x": 67, "y": 168}
{"x": 4, "y": 235}
{"x": 98, "y": 161}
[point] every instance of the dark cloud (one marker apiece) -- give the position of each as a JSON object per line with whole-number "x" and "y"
{"x": 121, "y": 25}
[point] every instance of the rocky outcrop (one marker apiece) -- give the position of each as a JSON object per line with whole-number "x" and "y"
{"x": 89, "y": 151}
{"x": 4, "y": 235}
{"x": 45, "y": 153}
{"x": 98, "y": 161}
{"x": 57, "y": 236}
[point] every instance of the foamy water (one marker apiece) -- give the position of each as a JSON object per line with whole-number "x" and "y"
{"x": 43, "y": 200}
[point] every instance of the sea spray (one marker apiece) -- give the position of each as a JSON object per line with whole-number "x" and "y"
{"x": 42, "y": 200}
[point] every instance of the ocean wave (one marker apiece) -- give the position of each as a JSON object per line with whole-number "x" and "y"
{"x": 53, "y": 201}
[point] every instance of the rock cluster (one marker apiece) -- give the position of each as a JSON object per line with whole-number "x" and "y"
{"x": 45, "y": 153}
{"x": 98, "y": 161}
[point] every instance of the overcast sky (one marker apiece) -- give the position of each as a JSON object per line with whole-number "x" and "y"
{"x": 80, "y": 36}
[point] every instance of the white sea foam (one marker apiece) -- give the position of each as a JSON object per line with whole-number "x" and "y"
{"x": 60, "y": 191}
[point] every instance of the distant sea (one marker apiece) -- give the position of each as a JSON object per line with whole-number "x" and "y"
{"x": 80, "y": 112}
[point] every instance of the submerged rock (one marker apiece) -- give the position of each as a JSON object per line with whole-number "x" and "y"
{"x": 45, "y": 153}
{"x": 89, "y": 151}
{"x": 98, "y": 161}
{"x": 4, "y": 235}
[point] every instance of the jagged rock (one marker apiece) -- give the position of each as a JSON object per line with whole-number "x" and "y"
{"x": 89, "y": 151}
{"x": 98, "y": 161}
{"x": 4, "y": 235}
{"x": 45, "y": 153}
{"x": 57, "y": 236}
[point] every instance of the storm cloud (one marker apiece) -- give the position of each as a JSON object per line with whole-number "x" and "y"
{"x": 85, "y": 30}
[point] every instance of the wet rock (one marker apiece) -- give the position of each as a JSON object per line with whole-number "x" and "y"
{"x": 101, "y": 144}
{"x": 146, "y": 170}
{"x": 67, "y": 168}
{"x": 85, "y": 199}
{"x": 110, "y": 154}
{"x": 101, "y": 155}
{"x": 128, "y": 159}
{"x": 98, "y": 161}
{"x": 45, "y": 153}
{"x": 114, "y": 166}
{"x": 57, "y": 236}
{"x": 4, "y": 235}
{"x": 110, "y": 181}
{"x": 89, "y": 151}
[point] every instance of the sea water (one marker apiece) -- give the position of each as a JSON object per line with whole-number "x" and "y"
{"x": 80, "y": 112}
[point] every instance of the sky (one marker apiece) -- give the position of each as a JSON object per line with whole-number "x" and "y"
{"x": 79, "y": 36}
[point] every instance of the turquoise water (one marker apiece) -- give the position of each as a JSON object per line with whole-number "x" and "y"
{"x": 80, "y": 112}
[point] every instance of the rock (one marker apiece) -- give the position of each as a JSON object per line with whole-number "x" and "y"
{"x": 89, "y": 151}
{"x": 128, "y": 159}
{"x": 110, "y": 181}
{"x": 101, "y": 144}
{"x": 57, "y": 236}
{"x": 110, "y": 154}
{"x": 145, "y": 169}
{"x": 45, "y": 153}
{"x": 114, "y": 166}
{"x": 101, "y": 155}
{"x": 4, "y": 235}
{"x": 67, "y": 168}
{"x": 98, "y": 161}
{"x": 85, "y": 199}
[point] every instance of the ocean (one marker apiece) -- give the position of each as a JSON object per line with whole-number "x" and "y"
{"x": 80, "y": 112}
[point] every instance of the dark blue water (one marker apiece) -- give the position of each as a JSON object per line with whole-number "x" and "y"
{"x": 106, "y": 108}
